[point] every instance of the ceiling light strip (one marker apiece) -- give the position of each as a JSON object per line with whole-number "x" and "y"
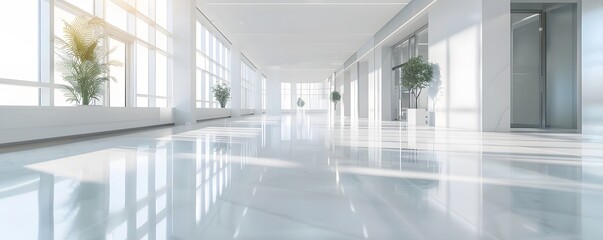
{"x": 216, "y": 27}
{"x": 389, "y": 36}
{"x": 249, "y": 61}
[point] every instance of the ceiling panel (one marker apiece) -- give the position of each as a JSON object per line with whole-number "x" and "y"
{"x": 300, "y": 40}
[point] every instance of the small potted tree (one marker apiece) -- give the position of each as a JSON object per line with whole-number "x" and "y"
{"x": 335, "y": 98}
{"x": 82, "y": 60}
{"x": 416, "y": 75}
{"x": 300, "y": 103}
{"x": 221, "y": 93}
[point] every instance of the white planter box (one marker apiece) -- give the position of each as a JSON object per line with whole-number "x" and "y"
{"x": 431, "y": 119}
{"x": 417, "y": 117}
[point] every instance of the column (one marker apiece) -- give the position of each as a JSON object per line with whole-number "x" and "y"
{"x": 363, "y": 90}
{"x": 384, "y": 84}
{"x": 184, "y": 84}
{"x": 293, "y": 98}
{"x": 258, "y": 92}
{"x": 496, "y": 65}
{"x": 235, "y": 81}
{"x": 346, "y": 96}
{"x": 592, "y": 68}
{"x": 273, "y": 96}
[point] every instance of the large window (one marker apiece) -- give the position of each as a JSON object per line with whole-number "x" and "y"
{"x": 247, "y": 86}
{"x": 152, "y": 58}
{"x": 315, "y": 95}
{"x": 137, "y": 30}
{"x": 213, "y": 61}
{"x": 286, "y": 96}
{"x": 20, "y": 81}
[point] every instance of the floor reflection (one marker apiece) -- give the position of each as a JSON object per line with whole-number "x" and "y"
{"x": 306, "y": 176}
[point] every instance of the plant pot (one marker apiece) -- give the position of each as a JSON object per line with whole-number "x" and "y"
{"x": 417, "y": 117}
{"x": 431, "y": 118}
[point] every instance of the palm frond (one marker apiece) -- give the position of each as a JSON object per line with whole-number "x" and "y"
{"x": 82, "y": 59}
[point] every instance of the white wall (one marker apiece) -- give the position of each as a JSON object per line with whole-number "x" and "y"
{"x": 258, "y": 91}
{"x": 273, "y": 96}
{"x": 455, "y": 45}
{"x": 377, "y": 53}
{"x": 339, "y": 79}
{"x": 184, "y": 61}
{"x": 592, "y": 67}
{"x": 374, "y": 113}
{"x": 353, "y": 99}
{"x": 20, "y": 124}
{"x": 346, "y": 94}
{"x": 293, "y": 97}
{"x": 496, "y": 66}
{"x": 470, "y": 42}
{"x": 363, "y": 89}
{"x": 212, "y": 113}
{"x": 383, "y": 67}
{"x": 473, "y": 89}
{"x": 235, "y": 81}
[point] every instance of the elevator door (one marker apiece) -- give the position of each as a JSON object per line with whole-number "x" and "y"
{"x": 528, "y": 90}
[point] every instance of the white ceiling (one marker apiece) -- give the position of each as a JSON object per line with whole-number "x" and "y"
{"x": 300, "y": 40}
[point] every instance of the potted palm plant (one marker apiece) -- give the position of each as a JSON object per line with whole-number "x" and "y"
{"x": 416, "y": 75}
{"x": 83, "y": 60}
{"x": 335, "y": 98}
{"x": 221, "y": 93}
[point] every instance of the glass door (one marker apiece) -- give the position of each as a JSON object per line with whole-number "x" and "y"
{"x": 528, "y": 84}
{"x": 401, "y": 54}
{"x": 117, "y": 86}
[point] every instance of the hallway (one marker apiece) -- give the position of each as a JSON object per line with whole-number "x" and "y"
{"x": 306, "y": 176}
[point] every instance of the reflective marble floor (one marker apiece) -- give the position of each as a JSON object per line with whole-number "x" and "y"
{"x": 306, "y": 177}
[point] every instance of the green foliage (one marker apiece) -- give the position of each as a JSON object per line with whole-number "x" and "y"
{"x": 81, "y": 59}
{"x": 300, "y": 103}
{"x": 335, "y": 97}
{"x": 416, "y": 75}
{"x": 221, "y": 93}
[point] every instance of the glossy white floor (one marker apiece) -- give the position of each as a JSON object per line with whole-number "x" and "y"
{"x": 301, "y": 177}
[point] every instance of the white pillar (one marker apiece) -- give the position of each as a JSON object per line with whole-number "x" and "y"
{"x": 363, "y": 90}
{"x": 293, "y": 98}
{"x": 347, "y": 94}
{"x": 339, "y": 87}
{"x": 384, "y": 83}
{"x": 353, "y": 90}
{"x": 184, "y": 61}
{"x": 496, "y": 65}
{"x": 258, "y": 92}
{"x": 273, "y": 96}
{"x": 235, "y": 81}
{"x": 592, "y": 68}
